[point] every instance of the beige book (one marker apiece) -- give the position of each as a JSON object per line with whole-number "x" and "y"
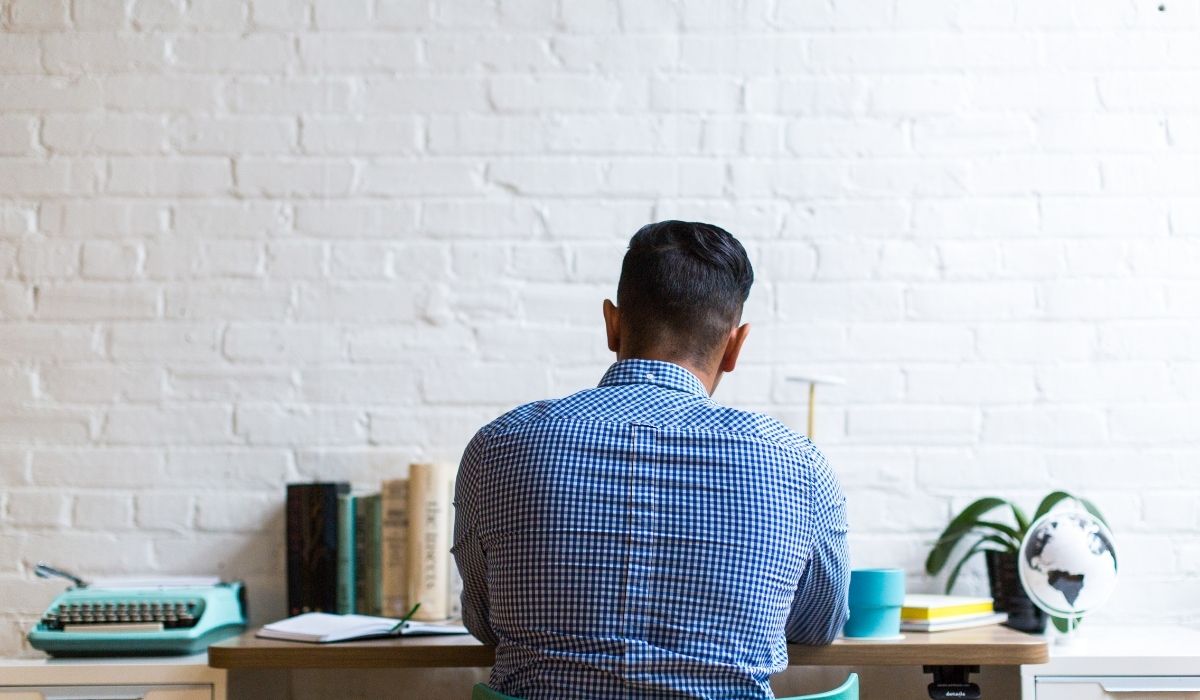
{"x": 394, "y": 560}
{"x": 456, "y": 583}
{"x": 429, "y": 540}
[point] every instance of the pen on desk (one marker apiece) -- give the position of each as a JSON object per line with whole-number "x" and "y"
{"x": 400, "y": 625}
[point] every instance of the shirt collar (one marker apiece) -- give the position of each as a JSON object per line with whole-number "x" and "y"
{"x": 664, "y": 374}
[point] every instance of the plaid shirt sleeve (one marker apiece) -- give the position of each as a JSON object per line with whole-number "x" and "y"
{"x": 468, "y": 553}
{"x": 820, "y": 609}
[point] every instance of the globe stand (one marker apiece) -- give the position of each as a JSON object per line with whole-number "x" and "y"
{"x": 1066, "y": 639}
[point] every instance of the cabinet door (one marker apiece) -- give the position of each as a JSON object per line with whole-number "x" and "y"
{"x": 1118, "y": 688}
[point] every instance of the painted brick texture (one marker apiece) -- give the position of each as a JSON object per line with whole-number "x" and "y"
{"x": 250, "y": 241}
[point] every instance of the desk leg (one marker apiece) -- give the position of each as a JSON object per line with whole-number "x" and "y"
{"x": 952, "y": 682}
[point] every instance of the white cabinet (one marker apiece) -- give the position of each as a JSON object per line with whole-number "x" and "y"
{"x": 1118, "y": 688}
{"x": 158, "y": 678}
{"x": 1119, "y": 663}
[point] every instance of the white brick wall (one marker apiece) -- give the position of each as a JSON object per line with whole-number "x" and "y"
{"x": 248, "y": 241}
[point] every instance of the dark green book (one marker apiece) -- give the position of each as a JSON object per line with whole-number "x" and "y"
{"x": 368, "y": 541}
{"x": 346, "y": 553}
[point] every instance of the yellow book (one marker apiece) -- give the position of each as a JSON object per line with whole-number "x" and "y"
{"x": 935, "y": 607}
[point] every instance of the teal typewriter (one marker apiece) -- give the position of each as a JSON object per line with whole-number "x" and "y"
{"x": 138, "y": 618}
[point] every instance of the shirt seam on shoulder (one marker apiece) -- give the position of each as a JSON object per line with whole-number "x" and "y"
{"x": 791, "y": 443}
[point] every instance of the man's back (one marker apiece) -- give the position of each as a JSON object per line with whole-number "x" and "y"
{"x": 637, "y": 540}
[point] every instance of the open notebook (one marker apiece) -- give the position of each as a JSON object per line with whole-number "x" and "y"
{"x": 326, "y": 627}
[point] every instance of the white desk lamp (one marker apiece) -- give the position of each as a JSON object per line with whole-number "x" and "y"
{"x": 813, "y": 380}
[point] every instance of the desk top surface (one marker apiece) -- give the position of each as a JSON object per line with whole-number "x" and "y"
{"x": 985, "y": 646}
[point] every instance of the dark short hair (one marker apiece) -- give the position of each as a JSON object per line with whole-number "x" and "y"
{"x": 683, "y": 283}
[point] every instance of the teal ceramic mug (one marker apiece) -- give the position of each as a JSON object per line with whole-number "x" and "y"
{"x": 876, "y": 596}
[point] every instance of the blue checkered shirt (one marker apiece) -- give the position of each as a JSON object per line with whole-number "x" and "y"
{"x": 637, "y": 540}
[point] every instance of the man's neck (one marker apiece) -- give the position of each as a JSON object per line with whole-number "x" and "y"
{"x": 708, "y": 377}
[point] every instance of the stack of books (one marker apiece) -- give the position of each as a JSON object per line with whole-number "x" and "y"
{"x": 937, "y": 613}
{"x": 374, "y": 553}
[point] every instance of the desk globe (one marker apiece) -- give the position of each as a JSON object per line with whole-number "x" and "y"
{"x": 1068, "y": 565}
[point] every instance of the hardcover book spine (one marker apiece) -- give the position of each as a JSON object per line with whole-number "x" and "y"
{"x": 429, "y": 541}
{"x": 294, "y": 509}
{"x": 346, "y": 551}
{"x": 454, "y": 601}
{"x": 312, "y": 546}
{"x": 367, "y": 539}
{"x": 394, "y": 548}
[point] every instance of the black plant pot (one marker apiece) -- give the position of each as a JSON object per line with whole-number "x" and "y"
{"x": 1009, "y": 594}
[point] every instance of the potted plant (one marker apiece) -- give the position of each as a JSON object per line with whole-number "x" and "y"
{"x": 999, "y": 542}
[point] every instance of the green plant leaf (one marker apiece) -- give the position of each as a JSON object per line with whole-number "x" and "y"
{"x": 979, "y": 546}
{"x": 1062, "y": 624}
{"x": 1004, "y": 544}
{"x": 1013, "y": 542}
{"x": 1052, "y": 499}
{"x": 1091, "y": 508}
{"x": 1022, "y": 521}
{"x": 1009, "y": 532}
{"x": 962, "y": 524}
{"x": 1057, "y": 497}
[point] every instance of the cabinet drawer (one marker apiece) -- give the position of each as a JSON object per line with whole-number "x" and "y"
{"x": 1117, "y": 687}
{"x": 107, "y": 692}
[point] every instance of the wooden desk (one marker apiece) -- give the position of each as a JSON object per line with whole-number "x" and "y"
{"x": 982, "y": 646}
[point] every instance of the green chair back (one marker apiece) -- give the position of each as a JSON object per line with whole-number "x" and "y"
{"x": 482, "y": 692}
{"x": 847, "y": 691}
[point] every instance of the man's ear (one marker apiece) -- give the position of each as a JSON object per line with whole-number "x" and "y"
{"x": 733, "y": 347}
{"x": 612, "y": 325}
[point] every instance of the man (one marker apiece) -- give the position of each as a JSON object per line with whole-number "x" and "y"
{"x": 636, "y": 539}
